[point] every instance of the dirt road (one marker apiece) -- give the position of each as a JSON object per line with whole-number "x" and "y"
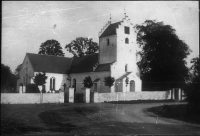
{"x": 101, "y": 119}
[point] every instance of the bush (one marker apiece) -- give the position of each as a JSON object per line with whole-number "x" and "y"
{"x": 32, "y": 88}
{"x": 109, "y": 81}
{"x": 88, "y": 82}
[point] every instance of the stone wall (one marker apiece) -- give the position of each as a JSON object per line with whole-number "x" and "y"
{"x": 127, "y": 96}
{"x": 31, "y": 98}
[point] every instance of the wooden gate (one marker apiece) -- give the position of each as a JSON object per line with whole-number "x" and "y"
{"x": 78, "y": 97}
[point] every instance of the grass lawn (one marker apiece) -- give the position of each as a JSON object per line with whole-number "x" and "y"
{"x": 177, "y": 112}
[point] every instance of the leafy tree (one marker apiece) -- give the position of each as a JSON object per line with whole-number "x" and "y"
{"x": 32, "y": 88}
{"x": 193, "y": 90}
{"x": 109, "y": 81}
{"x": 17, "y": 70}
{"x": 82, "y": 46}
{"x": 51, "y": 47}
{"x": 88, "y": 82}
{"x": 8, "y": 80}
{"x": 40, "y": 79}
{"x": 163, "y": 54}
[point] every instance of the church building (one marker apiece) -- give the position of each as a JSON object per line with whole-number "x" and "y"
{"x": 116, "y": 58}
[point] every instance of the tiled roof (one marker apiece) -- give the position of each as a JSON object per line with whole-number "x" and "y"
{"x": 86, "y": 64}
{"x": 63, "y": 65}
{"x": 48, "y": 63}
{"x": 103, "y": 67}
{"x": 110, "y": 30}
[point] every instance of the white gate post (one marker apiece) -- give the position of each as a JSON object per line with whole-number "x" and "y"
{"x": 20, "y": 89}
{"x": 179, "y": 94}
{"x": 86, "y": 97}
{"x": 69, "y": 95}
{"x": 24, "y": 89}
{"x": 173, "y": 94}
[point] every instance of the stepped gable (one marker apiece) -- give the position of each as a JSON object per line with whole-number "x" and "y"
{"x": 110, "y": 30}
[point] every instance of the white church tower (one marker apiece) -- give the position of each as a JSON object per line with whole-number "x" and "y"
{"x": 117, "y": 43}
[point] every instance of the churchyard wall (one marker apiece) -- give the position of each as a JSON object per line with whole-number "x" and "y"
{"x": 31, "y": 98}
{"x": 127, "y": 96}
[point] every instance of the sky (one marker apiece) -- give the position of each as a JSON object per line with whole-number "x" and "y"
{"x": 28, "y": 24}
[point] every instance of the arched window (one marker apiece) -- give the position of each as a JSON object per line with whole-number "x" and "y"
{"x": 52, "y": 83}
{"x": 74, "y": 84}
{"x": 126, "y": 67}
{"x": 127, "y": 41}
{"x": 108, "y": 41}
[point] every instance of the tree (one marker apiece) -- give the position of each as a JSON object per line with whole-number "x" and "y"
{"x": 163, "y": 54}
{"x": 51, "y": 47}
{"x": 8, "y": 80}
{"x": 109, "y": 81}
{"x": 40, "y": 80}
{"x": 17, "y": 70}
{"x": 193, "y": 89}
{"x": 82, "y": 46}
{"x": 88, "y": 82}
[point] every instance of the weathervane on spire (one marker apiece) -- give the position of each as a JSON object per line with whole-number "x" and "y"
{"x": 124, "y": 11}
{"x": 110, "y": 18}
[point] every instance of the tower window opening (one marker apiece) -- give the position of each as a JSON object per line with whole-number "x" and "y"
{"x": 126, "y": 30}
{"x": 108, "y": 42}
{"x": 127, "y": 41}
{"x": 126, "y": 67}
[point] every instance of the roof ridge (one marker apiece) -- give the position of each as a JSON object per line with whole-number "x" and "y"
{"x": 49, "y": 55}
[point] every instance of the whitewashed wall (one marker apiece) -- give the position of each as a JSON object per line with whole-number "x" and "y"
{"x": 127, "y": 96}
{"x": 31, "y": 98}
{"x": 60, "y": 79}
{"x": 100, "y": 85}
{"x": 22, "y": 73}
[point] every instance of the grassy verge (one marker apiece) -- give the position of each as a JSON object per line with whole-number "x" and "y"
{"x": 178, "y": 112}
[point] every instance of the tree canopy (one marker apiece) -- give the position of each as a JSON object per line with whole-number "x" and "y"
{"x": 87, "y": 81}
{"x": 162, "y": 54}
{"x": 8, "y": 79}
{"x": 109, "y": 81}
{"x": 40, "y": 78}
{"x": 17, "y": 70}
{"x": 193, "y": 88}
{"x": 82, "y": 46}
{"x": 51, "y": 47}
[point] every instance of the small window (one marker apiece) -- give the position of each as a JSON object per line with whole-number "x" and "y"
{"x": 108, "y": 42}
{"x": 127, "y": 41}
{"x": 126, "y": 30}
